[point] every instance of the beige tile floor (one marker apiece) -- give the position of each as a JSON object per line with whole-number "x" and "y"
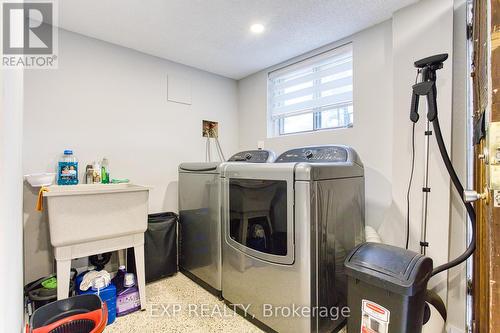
{"x": 196, "y": 311}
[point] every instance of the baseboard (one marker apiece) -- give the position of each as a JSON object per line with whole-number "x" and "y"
{"x": 201, "y": 283}
{"x": 453, "y": 329}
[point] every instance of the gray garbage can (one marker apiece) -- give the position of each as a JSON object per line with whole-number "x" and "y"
{"x": 386, "y": 289}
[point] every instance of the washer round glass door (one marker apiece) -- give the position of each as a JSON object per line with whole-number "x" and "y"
{"x": 258, "y": 217}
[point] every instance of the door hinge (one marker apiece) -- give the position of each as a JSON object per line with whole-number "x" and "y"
{"x": 470, "y": 31}
{"x": 470, "y": 328}
{"x": 470, "y": 287}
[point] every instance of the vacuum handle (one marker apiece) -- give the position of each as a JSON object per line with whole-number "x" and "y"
{"x": 414, "y": 107}
{"x": 432, "y": 104}
{"x": 427, "y": 89}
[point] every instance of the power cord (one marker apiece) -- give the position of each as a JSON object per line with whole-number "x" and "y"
{"x": 409, "y": 186}
{"x": 411, "y": 177}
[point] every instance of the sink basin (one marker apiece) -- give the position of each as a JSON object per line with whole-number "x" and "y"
{"x": 85, "y": 213}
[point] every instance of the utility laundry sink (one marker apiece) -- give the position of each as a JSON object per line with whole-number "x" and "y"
{"x": 91, "y": 212}
{"x": 90, "y": 219}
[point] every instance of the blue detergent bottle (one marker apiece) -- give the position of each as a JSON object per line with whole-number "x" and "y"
{"x": 67, "y": 170}
{"x": 107, "y": 293}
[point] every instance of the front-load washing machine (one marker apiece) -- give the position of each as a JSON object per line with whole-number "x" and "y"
{"x": 199, "y": 218}
{"x": 287, "y": 228}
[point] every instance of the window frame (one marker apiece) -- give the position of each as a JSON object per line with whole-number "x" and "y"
{"x": 276, "y": 126}
{"x": 317, "y": 117}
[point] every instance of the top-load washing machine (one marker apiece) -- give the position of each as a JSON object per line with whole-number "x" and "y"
{"x": 199, "y": 217}
{"x": 287, "y": 228}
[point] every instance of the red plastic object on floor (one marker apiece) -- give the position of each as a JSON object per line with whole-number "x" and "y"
{"x": 79, "y": 314}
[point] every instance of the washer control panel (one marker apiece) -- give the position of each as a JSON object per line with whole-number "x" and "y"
{"x": 253, "y": 156}
{"x": 318, "y": 154}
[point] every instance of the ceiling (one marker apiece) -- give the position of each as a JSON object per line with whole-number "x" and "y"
{"x": 214, "y": 35}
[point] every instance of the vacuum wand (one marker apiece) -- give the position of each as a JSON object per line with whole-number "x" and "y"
{"x": 427, "y": 88}
{"x": 425, "y": 191}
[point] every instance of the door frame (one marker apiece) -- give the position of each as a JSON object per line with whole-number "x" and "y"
{"x": 485, "y": 287}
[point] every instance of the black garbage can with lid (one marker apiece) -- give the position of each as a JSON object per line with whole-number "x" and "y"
{"x": 386, "y": 289}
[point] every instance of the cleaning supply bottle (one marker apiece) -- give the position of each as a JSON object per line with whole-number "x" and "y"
{"x": 89, "y": 174}
{"x": 97, "y": 172}
{"x": 119, "y": 277}
{"x": 107, "y": 293}
{"x": 105, "y": 171}
{"x": 67, "y": 171}
{"x": 128, "y": 299}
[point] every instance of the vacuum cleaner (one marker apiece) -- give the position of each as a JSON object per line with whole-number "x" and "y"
{"x": 78, "y": 314}
{"x": 44, "y": 291}
{"x": 387, "y": 285}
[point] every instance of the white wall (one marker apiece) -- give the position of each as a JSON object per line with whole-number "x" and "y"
{"x": 11, "y": 187}
{"x": 371, "y": 135}
{"x": 109, "y": 101}
{"x": 412, "y": 33}
{"x": 423, "y": 29}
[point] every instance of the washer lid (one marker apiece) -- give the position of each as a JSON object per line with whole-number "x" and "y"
{"x": 209, "y": 167}
{"x": 323, "y": 162}
{"x": 254, "y": 156}
{"x": 246, "y": 156}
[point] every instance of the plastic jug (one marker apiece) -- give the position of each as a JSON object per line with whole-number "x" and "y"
{"x": 128, "y": 299}
{"x": 67, "y": 170}
{"x": 118, "y": 279}
{"x": 107, "y": 294}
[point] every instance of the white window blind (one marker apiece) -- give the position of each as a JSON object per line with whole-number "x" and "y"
{"x": 320, "y": 86}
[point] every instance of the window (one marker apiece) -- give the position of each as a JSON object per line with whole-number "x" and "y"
{"x": 312, "y": 94}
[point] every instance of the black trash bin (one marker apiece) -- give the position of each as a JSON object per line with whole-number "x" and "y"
{"x": 386, "y": 289}
{"x": 160, "y": 247}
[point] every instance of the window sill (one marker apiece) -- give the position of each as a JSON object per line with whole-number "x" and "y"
{"x": 322, "y": 130}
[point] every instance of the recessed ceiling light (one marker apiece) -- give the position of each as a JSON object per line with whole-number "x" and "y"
{"x": 257, "y": 28}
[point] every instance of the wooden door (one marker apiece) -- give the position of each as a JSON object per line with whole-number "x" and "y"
{"x": 486, "y": 103}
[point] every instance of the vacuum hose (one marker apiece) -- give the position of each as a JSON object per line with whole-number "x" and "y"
{"x": 468, "y": 206}
{"x": 432, "y": 298}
